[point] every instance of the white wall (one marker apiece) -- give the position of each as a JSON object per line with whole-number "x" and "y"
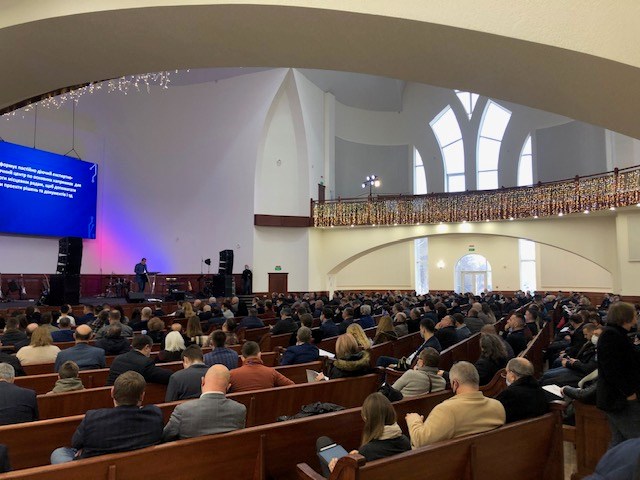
{"x": 561, "y": 270}
{"x": 284, "y": 247}
{"x": 388, "y": 268}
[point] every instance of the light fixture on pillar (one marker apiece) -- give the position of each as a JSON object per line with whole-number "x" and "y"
{"x": 440, "y": 264}
{"x": 371, "y": 181}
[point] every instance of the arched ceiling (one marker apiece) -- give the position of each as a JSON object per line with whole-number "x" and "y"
{"x": 573, "y": 58}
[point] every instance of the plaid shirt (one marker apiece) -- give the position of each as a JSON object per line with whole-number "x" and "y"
{"x": 223, "y": 356}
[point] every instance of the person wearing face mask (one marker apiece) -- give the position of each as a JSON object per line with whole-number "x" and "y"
{"x": 575, "y": 369}
{"x": 466, "y": 413}
{"x": 524, "y": 397}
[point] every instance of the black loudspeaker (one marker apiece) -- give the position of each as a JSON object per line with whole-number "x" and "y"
{"x": 69, "y": 255}
{"x": 136, "y": 297}
{"x": 224, "y": 286}
{"x": 226, "y": 262}
{"x": 176, "y": 296}
{"x": 64, "y": 289}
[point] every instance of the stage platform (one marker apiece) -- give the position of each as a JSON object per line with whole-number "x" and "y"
{"x": 149, "y": 298}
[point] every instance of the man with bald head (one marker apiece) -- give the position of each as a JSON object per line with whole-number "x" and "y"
{"x": 212, "y": 413}
{"x": 84, "y": 355}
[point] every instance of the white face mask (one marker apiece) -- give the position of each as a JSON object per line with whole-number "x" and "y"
{"x": 594, "y": 339}
{"x": 509, "y": 382}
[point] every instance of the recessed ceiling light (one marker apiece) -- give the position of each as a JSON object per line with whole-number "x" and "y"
{"x": 613, "y": 209}
{"x": 560, "y": 214}
{"x": 587, "y": 211}
{"x": 511, "y": 219}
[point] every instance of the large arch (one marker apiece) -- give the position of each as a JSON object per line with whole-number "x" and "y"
{"x": 600, "y": 249}
{"x": 546, "y": 53}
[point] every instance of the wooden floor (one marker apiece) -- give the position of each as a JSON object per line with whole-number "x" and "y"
{"x": 570, "y": 465}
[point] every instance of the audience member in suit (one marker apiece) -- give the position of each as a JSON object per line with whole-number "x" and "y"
{"x": 13, "y": 361}
{"x": 174, "y": 345}
{"x": 366, "y": 320}
{"x": 350, "y": 361}
{"x": 253, "y": 374}
{"x": 618, "y": 387}
{"x": 221, "y": 354}
{"x": 466, "y": 413}
{"x": 302, "y": 351}
{"x": 12, "y": 334}
{"x": 572, "y": 370}
{"x": 138, "y": 360}
{"x": 524, "y": 397}
{"x": 382, "y": 437}
{"x": 462, "y": 331}
{"x": 68, "y": 379}
{"x": 285, "y": 324}
{"x": 446, "y": 332}
{"x": 185, "y": 383}
{"x": 17, "y": 404}
{"x": 114, "y": 319}
{"x": 385, "y": 331}
{"x": 327, "y": 326}
{"x": 206, "y": 314}
{"x": 427, "y": 331}
{"x": 113, "y": 343}
{"x": 65, "y": 334}
{"x": 40, "y": 349}
{"x": 423, "y": 378}
{"x": 82, "y": 354}
{"x": 401, "y": 327}
{"x": 146, "y": 314}
{"x": 530, "y": 319}
{"x": 211, "y": 413}
{"x": 126, "y": 427}
{"x": 473, "y": 322}
{"x": 252, "y": 321}
{"x": 347, "y": 319}
{"x": 88, "y": 315}
{"x": 516, "y": 333}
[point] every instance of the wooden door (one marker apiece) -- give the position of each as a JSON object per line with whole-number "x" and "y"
{"x": 278, "y": 282}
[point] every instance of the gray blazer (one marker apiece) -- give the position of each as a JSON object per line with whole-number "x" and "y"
{"x": 209, "y": 414}
{"x": 127, "y": 331}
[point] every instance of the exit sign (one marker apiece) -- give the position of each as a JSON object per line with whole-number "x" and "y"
{"x": 278, "y": 268}
{"x": 472, "y": 248}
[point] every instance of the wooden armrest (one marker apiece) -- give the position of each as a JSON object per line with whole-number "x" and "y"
{"x": 559, "y": 405}
{"x": 305, "y": 472}
{"x": 347, "y": 467}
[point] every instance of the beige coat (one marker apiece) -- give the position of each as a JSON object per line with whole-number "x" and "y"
{"x": 460, "y": 415}
{"x": 420, "y": 380}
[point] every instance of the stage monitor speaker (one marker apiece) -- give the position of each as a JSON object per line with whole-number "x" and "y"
{"x": 226, "y": 262}
{"x": 69, "y": 255}
{"x": 64, "y": 289}
{"x": 136, "y": 297}
{"x": 223, "y": 286}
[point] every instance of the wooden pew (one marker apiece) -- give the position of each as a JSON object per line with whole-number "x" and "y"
{"x": 592, "y": 437}
{"x": 466, "y": 350}
{"x": 531, "y": 449}
{"x": 329, "y": 344}
{"x": 28, "y": 446}
{"x": 276, "y": 448}
{"x": 535, "y": 349}
{"x": 76, "y": 403}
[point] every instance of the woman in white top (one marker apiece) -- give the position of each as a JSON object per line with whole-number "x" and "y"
{"x": 41, "y": 349}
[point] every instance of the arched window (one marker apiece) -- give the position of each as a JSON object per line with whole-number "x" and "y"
{"x": 447, "y": 130}
{"x": 468, "y": 101}
{"x": 421, "y": 245}
{"x": 472, "y": 274}
{"x": 527, "y": 250}
{"x": 525, "y": 165}
{"x": 494, "y": 122}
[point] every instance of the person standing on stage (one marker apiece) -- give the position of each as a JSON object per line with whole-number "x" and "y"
{"x": 247, "y": 278}
{"x": 141, "y": 274}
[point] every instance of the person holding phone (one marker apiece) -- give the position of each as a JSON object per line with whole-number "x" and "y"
{"x": 381, "y": 435}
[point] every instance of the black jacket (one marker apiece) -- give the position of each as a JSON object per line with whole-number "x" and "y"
{"x": 618, "y": 369}
{"x": 14, "y": 362}
{"x": 518, "y": 341}
{"x": 13, "y": 337}
{"x": 377, "y": 449}
{"x": 447, "y": 336}
{"x": 523, "y": 399}
{"x": 17, "y": 404}
{"x": 586, "y": 358}
{"x": 284, "y": 325}
{"x": 487, "y": 368}
{"x": 119, "y": 429}
{"x": 114, "y": 345}
{"x": 136, "y": 361}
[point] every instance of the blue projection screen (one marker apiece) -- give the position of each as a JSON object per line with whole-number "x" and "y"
{"x": 42, "y": 193}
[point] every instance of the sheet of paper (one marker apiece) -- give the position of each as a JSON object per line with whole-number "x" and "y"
{"x": 554, "y": 389}
{"x": 324, "y": 353}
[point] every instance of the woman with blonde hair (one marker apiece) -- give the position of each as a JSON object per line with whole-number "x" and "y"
{"x": 357, "y": 332}
{"x": 350, "y": 361}
{"x": 385, "y": 331}
{"x": 40, "y": 350}
{"x": 194, "y": 332}
{"x": 381, "y": 435}
{"x": 173, "y": 348}
{"x": 187, "y": 310}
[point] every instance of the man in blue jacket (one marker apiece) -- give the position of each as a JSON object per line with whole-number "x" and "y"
{"x": 302, "y": 351}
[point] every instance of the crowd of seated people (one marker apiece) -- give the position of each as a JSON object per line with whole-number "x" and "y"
{"x": 442, "y": 321}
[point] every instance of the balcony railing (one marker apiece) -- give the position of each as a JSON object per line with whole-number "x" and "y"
{"x": 610, "y": 190}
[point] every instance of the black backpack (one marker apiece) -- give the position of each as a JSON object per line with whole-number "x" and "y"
{"x": 312, "y": 409}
